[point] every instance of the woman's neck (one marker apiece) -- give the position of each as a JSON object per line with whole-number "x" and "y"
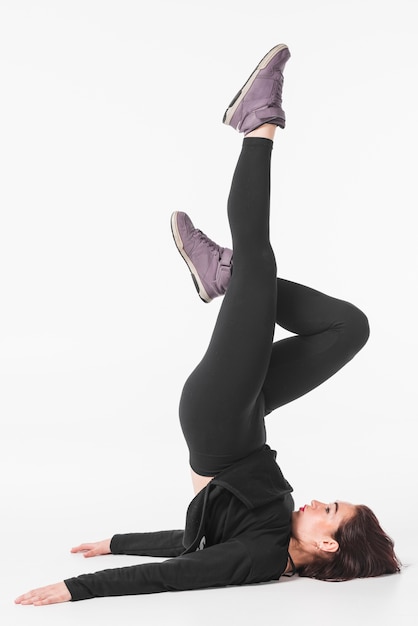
{"x": 298, "y": 555}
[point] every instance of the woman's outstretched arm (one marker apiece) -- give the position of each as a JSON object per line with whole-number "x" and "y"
{"x": 253, "y": 558}
{"x": 159, "y": 543}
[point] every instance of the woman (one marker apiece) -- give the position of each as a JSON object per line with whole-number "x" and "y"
{"x": 241, "y": 527}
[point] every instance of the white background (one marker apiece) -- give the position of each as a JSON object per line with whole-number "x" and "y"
{"x": 110, "y": 116}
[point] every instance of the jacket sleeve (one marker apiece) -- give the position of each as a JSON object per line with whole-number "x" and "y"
{"x": 162, "y": 543}
{"x": 217, "y": 566}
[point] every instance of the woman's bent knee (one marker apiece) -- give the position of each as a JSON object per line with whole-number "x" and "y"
{"x": 357, "y": 327}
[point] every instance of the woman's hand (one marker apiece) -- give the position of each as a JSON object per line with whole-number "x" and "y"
{"x": 52, "y": 594}
{"x": 93, "y": 549}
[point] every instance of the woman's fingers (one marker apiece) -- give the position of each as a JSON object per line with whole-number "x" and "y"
{"x": 87, "y": 548}
{"x": 51, "y": 594}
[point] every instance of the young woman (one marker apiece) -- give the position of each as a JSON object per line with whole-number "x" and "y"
{"x": 241, "y": 527}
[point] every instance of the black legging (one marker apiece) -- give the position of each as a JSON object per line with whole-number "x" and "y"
{"x": 244, "y": 375}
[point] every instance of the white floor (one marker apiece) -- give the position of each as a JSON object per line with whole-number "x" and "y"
{"x": 300, "y": 601}
{"x": 110, "y": 119}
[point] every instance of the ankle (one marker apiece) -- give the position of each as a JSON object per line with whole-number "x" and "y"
{"x": 266, "y": 131}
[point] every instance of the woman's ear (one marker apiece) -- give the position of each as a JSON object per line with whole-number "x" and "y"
{"x": 328, "y": 544}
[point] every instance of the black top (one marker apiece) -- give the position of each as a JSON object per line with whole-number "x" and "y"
{"x": 237, "y": 533}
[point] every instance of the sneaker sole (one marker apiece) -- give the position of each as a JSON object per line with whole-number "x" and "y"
{"x": 236, "y": 101}
{"x": 194, "y": 273}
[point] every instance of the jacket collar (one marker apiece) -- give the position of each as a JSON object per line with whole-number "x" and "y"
{"x": 255, "y": 480}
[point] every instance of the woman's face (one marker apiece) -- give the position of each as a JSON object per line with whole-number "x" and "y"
{"x": 318, "y": 522}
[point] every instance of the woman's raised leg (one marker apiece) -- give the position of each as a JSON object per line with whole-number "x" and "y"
{"x": 222, "y": 404}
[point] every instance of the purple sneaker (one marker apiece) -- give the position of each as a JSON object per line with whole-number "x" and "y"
{"x": 209, "y": 264}
{"x": 259, "y": 101}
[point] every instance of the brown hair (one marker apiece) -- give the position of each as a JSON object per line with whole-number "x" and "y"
{"x": 365, "y": 550}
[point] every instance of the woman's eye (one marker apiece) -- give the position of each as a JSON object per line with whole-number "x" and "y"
{"x": 327, "y": 509}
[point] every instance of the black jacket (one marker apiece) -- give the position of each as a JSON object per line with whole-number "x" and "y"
{"x": 237, "y": 533}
